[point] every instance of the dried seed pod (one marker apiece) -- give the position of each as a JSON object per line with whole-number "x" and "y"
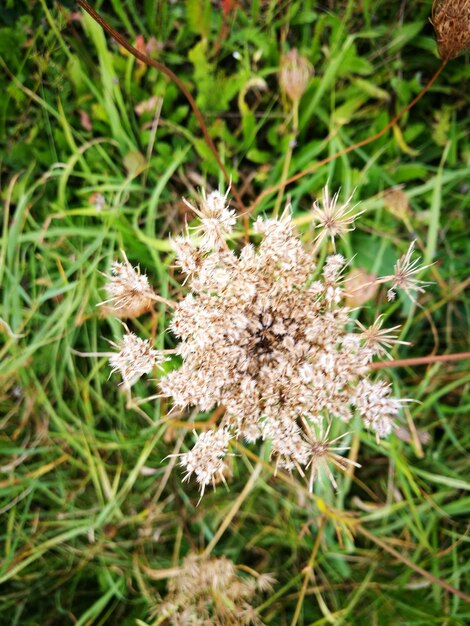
{"x": 295, "y": 74}
{"x": 396, "y": 201}
{"x": 451, "y": 21}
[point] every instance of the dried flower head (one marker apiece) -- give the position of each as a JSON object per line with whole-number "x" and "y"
{"x": 380, "y": 340}
{"x": 451, "y": 21}
{"x": 129, "y": 292}
{"x": 135, "y": 357}
{"x": 376, "y": 406}
{"x": 264, "y": 334}
{"x": 295, "y": 74}
{"x": 324, "y": 452}
{"x": 188, "y": 256}
{"x": 211, "y": 591}
{"x": 206, "y": 458}
{"x": 265, "y": 337}
{"x": 334, "y": 219}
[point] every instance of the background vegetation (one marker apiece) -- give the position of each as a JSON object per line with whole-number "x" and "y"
{"x": 97, "y": 152}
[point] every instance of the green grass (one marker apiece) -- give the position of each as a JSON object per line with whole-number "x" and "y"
{"x": 88, "y": 505}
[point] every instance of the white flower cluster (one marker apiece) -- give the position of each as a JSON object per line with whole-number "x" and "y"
{"x": 265, "y": 337}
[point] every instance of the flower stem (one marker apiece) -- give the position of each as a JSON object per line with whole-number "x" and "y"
{"x": 287, "y": 160}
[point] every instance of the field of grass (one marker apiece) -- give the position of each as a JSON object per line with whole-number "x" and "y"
{"x": 97, "y": 152}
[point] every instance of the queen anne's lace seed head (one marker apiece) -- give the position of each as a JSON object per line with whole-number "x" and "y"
{"x": 216, "y": 220}
{"x": 271, "y": 346}
{"x": 377, "y": 408}
{"x": 135, "y": 357}
{"x": 265, "y": 337}
{"x": 380, "y": 340}
{"x": 211, "y": 591}
{"x": 188, "y": 257}
{"x": 323, "y": 453}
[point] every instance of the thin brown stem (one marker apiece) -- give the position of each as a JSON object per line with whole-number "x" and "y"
{"x": 355, "y": 146}
{"x": 421, "y": 360}
{"x": 122, "y": 41}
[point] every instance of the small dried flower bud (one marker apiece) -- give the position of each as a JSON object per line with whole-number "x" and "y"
{"x": 288, "y": 445}
{"x": 332, "y": 268}
{"x": 323, "y": 452}
{"x": 451, "y": 21}
{"x": 396, "y": 201}
{"x": 188, "y": 257}
{"x": 295, "y": 74}
{"x": 265, "y": 582}
{"x": 360, "y": 287}
{"x": 129, "y": 292}
{"x": 379, "y": 340}
{"x": 135, "y": 358}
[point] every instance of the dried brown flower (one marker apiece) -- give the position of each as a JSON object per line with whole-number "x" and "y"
{"x": 377, "y": 407}
{"x": 379, "y": 339}
{"x": 206, "y": 458}
{"x": 264, "y": 335}
{"x": 295, "y": 74}
{"x": 334, "y": 219}
{"x": 211, "y": 591}
{"x": 217, "y": 220}
{"x": 451, "y": 21}
{"x": 262, "y": 339}
{"x": 405, "y": 274}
